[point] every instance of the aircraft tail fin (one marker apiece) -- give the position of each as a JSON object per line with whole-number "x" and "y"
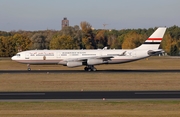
{"x": 153, "y": 42}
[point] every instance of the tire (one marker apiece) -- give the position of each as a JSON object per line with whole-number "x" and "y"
{"x": 94, "y": 69}
{"x": 86, "y": 69}
{"x": 89, "y": 69}
{"x": 29, "y": 69}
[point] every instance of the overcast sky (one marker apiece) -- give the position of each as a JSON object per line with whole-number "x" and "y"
{"x": 118, "y": 14}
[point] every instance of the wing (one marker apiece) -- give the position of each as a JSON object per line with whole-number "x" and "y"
{"x": 103, "y": 57}
{"x": 86, "y": 58}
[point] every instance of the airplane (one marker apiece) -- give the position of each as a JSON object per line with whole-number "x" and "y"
{"x": 90, "y": 58}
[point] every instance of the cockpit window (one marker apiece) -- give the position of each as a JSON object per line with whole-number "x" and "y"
{"x": 18, "y": 54}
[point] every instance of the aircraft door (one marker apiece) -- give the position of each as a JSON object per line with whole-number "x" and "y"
{"x": 27, "y": 55}
{"x": 58, "y": 55}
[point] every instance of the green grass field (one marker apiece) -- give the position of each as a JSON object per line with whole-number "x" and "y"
{"x": 92, "y": 82}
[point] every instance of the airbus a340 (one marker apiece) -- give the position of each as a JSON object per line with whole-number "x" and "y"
{"x": 90, "y": 58}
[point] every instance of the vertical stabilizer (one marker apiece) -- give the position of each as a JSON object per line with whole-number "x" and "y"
{"x": 154, "y": 41}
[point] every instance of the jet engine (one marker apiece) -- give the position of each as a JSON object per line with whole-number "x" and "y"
{"x": 95, "y": 61}
{"x": 74, "y": 64}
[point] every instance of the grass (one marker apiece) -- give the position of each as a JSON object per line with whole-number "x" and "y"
{"x": 91, "y": 109}
{"x": 89, "y": 82}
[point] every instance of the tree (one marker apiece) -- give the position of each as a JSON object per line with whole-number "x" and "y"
{"x": 21, "y": 42}
{"x": 112, "y": 41}
{"x": 74, "y": 32}
{"x": 63, "y": 42}
{"x": 174, "y": 32}
{"x": 116, "y": 38}
{"x": 10, "y": 45}
{"x": 174, "y": 50}
{"x": 167, "y": 43}
{"x": 101, "y": 39}
{"x": 88, "y": 41}
{"x": 132, "y": 40}
{"x": 4, "y": 46}
{"x": 39, "y": 41}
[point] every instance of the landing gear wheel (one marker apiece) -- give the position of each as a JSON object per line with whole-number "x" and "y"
{"x": 94, "y": 69}
{"x": 29, "y": 69}
{"x": 86, "y": 69}
{"x": 90, "y": 68}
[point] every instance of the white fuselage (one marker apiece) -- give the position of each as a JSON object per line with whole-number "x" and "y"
{"x": 63, "y": 56}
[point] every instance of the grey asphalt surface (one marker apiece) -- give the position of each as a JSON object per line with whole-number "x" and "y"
{"x": 82, "y": 95}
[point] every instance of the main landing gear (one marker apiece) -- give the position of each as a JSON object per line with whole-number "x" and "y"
{"x": 90, "y": 68}
{"x": 29, "y": 68}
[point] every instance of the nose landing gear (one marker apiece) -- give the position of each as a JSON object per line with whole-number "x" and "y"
{"x": 29, "y": 69}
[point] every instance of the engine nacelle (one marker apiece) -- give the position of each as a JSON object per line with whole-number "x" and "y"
{"x": 74, "y": 64}
{"x": 95, "y": 61}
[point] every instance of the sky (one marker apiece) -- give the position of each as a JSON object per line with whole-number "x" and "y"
{"x": 34, "y": 15}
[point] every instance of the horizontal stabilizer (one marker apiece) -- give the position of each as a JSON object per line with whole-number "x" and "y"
{"x": 155, "y": 52}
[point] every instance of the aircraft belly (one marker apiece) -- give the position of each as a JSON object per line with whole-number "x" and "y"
{"x": 125, "y": 59}
{"x": 39, "y": 61}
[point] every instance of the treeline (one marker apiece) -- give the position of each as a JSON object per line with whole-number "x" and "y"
{"x": 84, "y": 37}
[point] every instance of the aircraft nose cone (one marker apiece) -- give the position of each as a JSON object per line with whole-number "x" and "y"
{"x": 12, "y": 58}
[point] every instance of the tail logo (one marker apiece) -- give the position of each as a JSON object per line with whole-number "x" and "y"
{"x": 153, "y": 41}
